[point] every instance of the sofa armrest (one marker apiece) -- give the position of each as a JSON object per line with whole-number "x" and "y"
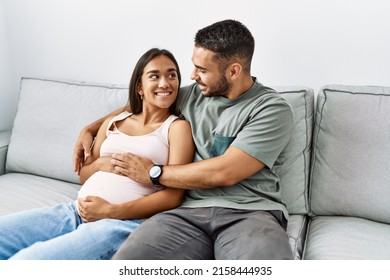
{"x": 5, "y": 137}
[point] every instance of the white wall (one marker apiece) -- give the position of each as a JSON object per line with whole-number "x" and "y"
{"x": 7, "y": 99}
{"x": 298, "y": 42}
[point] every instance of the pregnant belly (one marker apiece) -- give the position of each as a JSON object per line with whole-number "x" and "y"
{"x": 114, "y": 188}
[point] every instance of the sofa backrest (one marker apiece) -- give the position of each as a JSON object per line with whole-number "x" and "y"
{"x": 49, "y": 118}
{"x": 351, "y": 151}
{"x": 44, "y": 133}
{"x": 294, "y": 175}
{"x": 4, "y": 142}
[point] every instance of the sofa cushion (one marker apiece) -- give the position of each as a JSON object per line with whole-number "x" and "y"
{"x": 50, "y": 116}
{"x": 294, "y": 175}
{"x": 296, "y": 232}
{"x": 351, "y": 150}
{"x": 347, "y": 238}
{"x": 24, "y": 191}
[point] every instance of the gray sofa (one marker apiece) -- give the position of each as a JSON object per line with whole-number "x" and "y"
{"x": 335, "y": 180}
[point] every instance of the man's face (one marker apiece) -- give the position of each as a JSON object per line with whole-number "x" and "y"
{"x": 211, "y": 81}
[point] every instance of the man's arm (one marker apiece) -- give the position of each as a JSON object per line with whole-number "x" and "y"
{"x": 84, "y": 142}
{"x": 269, "y": 133}
{"x": 225, "y": 170}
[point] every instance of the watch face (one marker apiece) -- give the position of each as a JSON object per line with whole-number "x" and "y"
{"x": 155, "y": 171}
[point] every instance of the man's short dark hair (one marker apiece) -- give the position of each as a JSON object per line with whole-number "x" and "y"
{"x": 230, "y": 40}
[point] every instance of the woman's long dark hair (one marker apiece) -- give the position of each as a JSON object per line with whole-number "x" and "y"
{"x": 134, "y": 98}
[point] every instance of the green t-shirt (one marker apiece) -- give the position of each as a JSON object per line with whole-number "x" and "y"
{"x": 260, "y": 123}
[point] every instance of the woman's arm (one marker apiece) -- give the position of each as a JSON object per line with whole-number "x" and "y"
{"x": 82, "y": 149}
{"x": 181, "y": 151}
{"x": 94, "y": 162}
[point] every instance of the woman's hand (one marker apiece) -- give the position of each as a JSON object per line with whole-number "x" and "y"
{"x": 94, "y": 208}
{"x": 104, "y": 163}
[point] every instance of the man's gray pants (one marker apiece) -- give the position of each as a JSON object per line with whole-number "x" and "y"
{"x": 208, "y": 233}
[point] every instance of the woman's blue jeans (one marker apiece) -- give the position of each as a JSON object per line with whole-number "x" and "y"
{"x": 58, "y": 233}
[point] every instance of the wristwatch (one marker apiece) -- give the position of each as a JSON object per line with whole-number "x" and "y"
{"x": 155, "y": 173}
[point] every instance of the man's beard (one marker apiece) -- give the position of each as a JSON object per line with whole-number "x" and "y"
{"x": 221, "y": 89}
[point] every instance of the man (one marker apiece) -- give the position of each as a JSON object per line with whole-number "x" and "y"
{"x": 232, "y": 208}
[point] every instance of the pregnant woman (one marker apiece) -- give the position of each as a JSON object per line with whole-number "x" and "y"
{"x": 110, "y": 206}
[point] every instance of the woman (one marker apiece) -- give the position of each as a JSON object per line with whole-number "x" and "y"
{"x": 118, "y": 204}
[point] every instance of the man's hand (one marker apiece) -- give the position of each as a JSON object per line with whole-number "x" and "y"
{"x": 132, "y": 166}
{"x": 82, "y": 149}
{"x": 93, "y": 208}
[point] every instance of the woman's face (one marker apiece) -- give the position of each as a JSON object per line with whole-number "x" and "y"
{"x": 159, "y": 82}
